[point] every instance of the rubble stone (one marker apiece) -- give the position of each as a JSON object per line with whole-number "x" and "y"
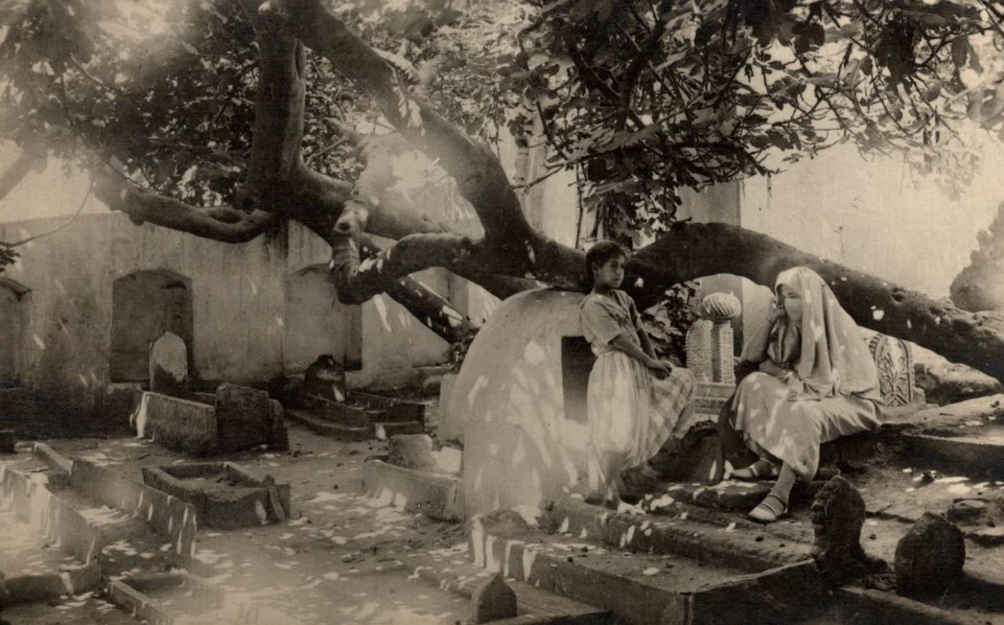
{"x": 493, "y": 600}
{"x": 929, "y": 557}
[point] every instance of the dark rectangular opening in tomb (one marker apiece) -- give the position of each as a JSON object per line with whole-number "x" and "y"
{"x": 576, "y": 362}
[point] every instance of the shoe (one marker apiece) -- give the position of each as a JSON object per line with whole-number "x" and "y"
{"x": 769, "y": 510}
{"x": 759, "y": 470}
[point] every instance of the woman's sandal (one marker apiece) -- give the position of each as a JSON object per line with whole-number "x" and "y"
{"x": 759, "y": 470}
{"x": 769, "y": 510}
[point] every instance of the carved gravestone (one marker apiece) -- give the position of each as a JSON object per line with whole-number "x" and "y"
{"x": 244, "y": 417}
{"x": 929, "y": 557}
{"x": 492, "y": 601}
{"x": 168, "y": 366}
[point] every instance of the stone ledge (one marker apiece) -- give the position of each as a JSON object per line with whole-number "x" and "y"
{"x": 680, "y": 535}
{"x": 887, "y": 607}
{"x": 788, "y": 593}
{"x": 536, "y": 606}
{"x": 436, "y": 495}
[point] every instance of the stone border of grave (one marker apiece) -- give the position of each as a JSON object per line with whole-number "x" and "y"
{"x": 257, "y": 502}
{"x": 170, "y": 517}
{"x": 33, "y": 502}
{"x": 131, "y": 593}
{"x": 439, "y": 496}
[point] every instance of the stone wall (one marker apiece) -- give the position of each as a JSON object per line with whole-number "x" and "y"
{"x": 240, "y": 327}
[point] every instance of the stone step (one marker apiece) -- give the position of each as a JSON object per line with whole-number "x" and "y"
{"x": 678, "y": 529}
{"x": 34, "y": 569}
{"x": 643, "y": 588}
{"x": 329, "y": 428}
{"x": 535, "y": 606}
{"x": 398, "y": 427}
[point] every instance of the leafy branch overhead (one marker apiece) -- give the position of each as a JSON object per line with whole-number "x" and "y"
{"x": 650, "y": 97}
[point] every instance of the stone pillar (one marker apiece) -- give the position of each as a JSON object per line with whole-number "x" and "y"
{"x": 699, "y": 350}
{"x": 710, "y": 353}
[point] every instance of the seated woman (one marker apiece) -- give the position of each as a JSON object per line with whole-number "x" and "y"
{"x": 816, "y": 381}
{"x": 634, "y": 400}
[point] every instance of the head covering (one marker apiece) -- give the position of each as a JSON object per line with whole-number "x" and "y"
{"x": 833, "y": 357}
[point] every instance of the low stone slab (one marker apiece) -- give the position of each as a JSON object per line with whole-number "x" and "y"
{"x": 177, "y": 423}
{"x": 436, "y": 495}
{"x": 224, "y": 495}
{"x": 242, "y": 418}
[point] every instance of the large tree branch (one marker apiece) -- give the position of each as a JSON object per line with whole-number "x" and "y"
{"x": 692, "y": 250}
{"x": 142, "y": 206}
{"x": 279, "y": 109}
{"x": 480, "y": 178}
{"x": 16, "y": 171}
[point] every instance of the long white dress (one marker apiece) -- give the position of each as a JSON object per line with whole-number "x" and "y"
{"x": 832, "y": 389}
{"x": 631, "y": 412}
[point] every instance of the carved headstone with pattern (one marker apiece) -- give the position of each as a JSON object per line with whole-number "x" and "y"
{"x": 895, "y": 369}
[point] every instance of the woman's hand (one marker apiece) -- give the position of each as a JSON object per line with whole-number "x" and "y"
{"x": 775, "y": 313}
{"x": 794, "y": 384}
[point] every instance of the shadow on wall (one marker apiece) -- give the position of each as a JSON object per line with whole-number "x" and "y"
{"x": 317, "y": 323}
{"x": 145, "y": 304}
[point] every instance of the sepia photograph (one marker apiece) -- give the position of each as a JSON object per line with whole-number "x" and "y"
{"x": 520, "y": 312}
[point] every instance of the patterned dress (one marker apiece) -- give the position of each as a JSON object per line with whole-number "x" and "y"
{"x": 631, "y": 412}
{"x": 830, "y": 387}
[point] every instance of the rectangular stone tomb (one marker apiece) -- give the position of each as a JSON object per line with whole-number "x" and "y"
{"x": 225, "y": 495}
{"x": 240, "y": 418}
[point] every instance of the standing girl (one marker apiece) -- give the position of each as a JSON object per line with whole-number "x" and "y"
{"x": 634, "y": 400}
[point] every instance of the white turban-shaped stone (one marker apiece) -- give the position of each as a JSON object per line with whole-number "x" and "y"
{"x": 719, "y": 307}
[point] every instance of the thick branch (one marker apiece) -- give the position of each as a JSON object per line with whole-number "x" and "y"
{"x": 692, "y": 250}
{"x": 17, "y": 170}
{"x": 168, "y": 212}
{"x": 480, "y": 177}
{"x": 279, "y": 105}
